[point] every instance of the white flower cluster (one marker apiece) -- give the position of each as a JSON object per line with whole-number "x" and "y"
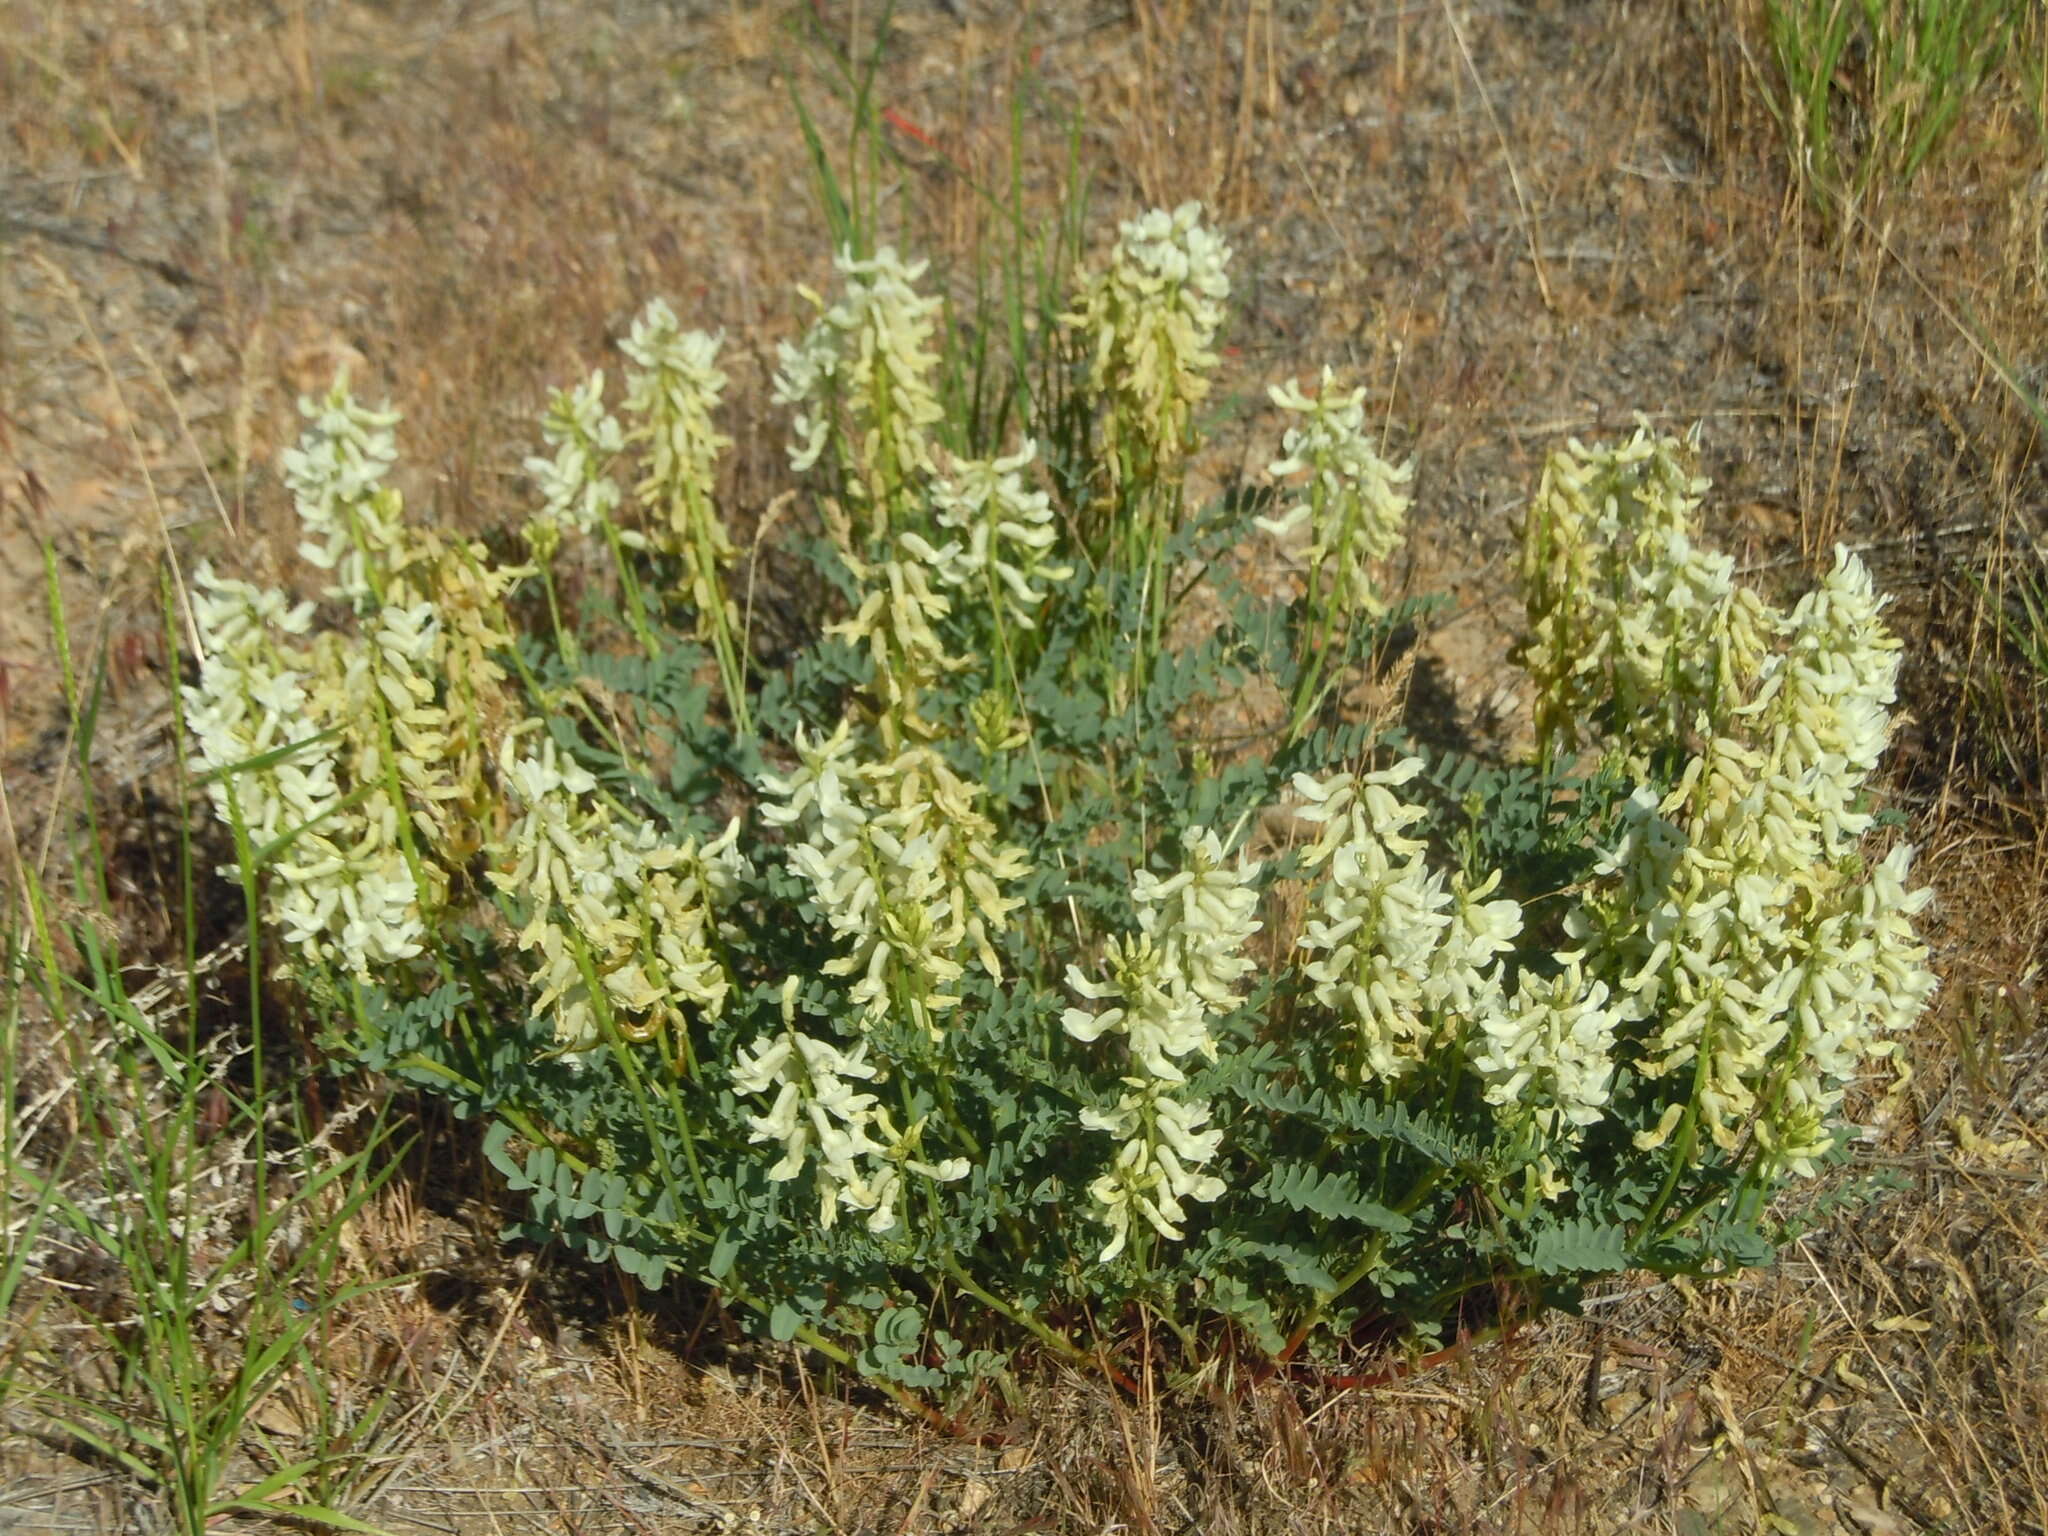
{"x": 1151, "y": 316}
{"x": 1352, "y": 502}
{"x": 336, "y": 477}
{"x": 672, "y": 392}
{"x": 816, "y": 1105}
{"x": 1760, "y": 958}
{"x": 418, "y": 681}
{"x": 1627, "y": 614}
{"x": 1007, "y": 531}
{"x": 866, "y": 364}
{"x": 899, "y": 605}
{"x": 1824, "y": 704}
{"x": 1165, "y": 983}
{"x": 674, "y": 387}
{"x": 344, "y": 891}
{"x": 388, "y": 799}
{"x": 1548, "y": 1054}
{"x": 250, "y": 699}
{"x": 576, "y": 490}
{"x": 1405, "y": 956}
{"x": 1162, "y": 1148}
{"x": 1413, "y": 962}
{"x": 476, "y": 708}
{"x": 904, "y": 865}
{"x": 623, "y": 923}
{"x": 403, "y": 662}
{"x": 870, "y": 356}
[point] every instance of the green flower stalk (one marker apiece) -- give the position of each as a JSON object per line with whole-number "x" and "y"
{"x": 609, "y": 897}
{"x": 904, "y": 864}
{"x": 1166, "y": 983}
{"x": 578, "y": 492}
{"x": 1151, "y": 316}
{"x": 1631, "y": 623}
{"x": 672, "y": 393}
{"x": 863, "y": 373}
{"x": 1353, "y": 506}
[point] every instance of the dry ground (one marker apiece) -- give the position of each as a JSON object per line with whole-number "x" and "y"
{"x": 1513, "y": 221}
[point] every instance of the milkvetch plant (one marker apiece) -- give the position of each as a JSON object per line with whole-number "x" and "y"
{"x": 949, "y": 982}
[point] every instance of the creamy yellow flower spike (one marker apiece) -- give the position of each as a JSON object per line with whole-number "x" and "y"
{"x": 1165, "y": 983}
{"x": 1352, "y": 502}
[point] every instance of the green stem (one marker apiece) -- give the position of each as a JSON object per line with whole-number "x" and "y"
{"x": 181, "y": 762}
{"x": 732, "y": 659}
{"x": 1684, "y": 1138}
{"x": 1047, "y": 1335}
{"x": 253, "y": 916}
{"x": 565, "y": 641}
{"x": 636, "y": 612}
{"x": 1367, "y": 1263}
{"x": 621, "y": 1049}
{"x": 1307, "y": 696}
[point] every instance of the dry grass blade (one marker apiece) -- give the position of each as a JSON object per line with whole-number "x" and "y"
{"x": 1530, "y": 233}
{"x": 62, "y": 280}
